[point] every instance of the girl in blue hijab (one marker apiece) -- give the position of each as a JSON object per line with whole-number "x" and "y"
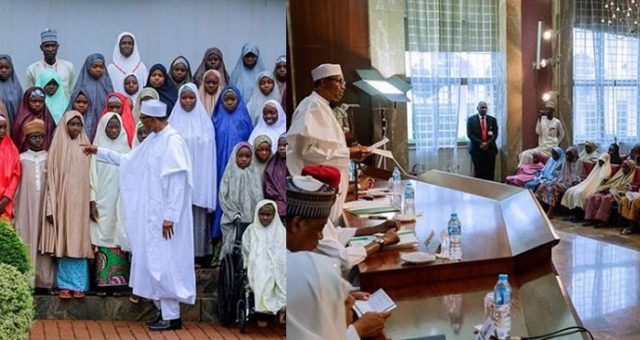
{"x": 233, "y": 125}
{"x": 247, "y": 68}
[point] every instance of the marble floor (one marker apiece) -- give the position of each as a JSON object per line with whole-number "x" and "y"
{"x": 601, "y": 272}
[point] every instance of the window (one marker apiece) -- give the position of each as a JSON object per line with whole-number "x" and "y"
{"x": 605, "y": 86}
{"x": 465, "y": 78}
{"x": 453, "y": 62}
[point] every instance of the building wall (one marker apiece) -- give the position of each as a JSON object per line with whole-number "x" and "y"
{"x": 163, "y": 29}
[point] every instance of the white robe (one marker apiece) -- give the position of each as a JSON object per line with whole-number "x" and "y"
{"x": 315, "y": 137}
{"x": 576, "y": 196}
{"x": 62, "y": 67}
{"x": 196, "y": 128}
{"x": 550, "y": 134}
{"x": 155, "y": 185}
{"x": 105, "y": 190}
{"x": 263, "y": 252}
{"x": 121, "y": 66}
{"x": 333, "y": 244}
{"x": 315, "y": 298}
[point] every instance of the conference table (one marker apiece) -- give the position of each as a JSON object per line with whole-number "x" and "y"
{"x": 504, "y": 230}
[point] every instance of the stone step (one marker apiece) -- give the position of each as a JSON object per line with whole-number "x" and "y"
{"x": 116, "y": 308}
{"x": 94, "y": 307}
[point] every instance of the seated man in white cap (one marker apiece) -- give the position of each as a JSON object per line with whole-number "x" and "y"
{"x": 49, "y": 47}
{"x": 316, "y": 137}
{"x": 318, "y": 300}
{"x": 550, "y": 134}
{"x": 155, "y": 189}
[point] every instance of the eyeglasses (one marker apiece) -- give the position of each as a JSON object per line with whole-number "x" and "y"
{"x": 340, "y": 82}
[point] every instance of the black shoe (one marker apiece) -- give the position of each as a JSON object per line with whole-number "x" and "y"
{"x": 166, "y": 325}
{"x": 156, "y": 318}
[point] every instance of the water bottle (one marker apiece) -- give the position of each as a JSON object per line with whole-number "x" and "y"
{"x": 352, "y": 168}
{"x": 397, "y": 188}
{"x": 454, "y": 229}
{"x": 409, "y": 200}
{"x": 502, "y": 312}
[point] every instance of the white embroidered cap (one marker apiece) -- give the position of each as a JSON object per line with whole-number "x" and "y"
{"x": 326, "y": 70}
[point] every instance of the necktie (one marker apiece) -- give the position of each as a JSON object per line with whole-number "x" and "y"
{"x": 483, "y": 129}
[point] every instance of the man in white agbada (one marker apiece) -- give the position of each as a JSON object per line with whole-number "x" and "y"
{"x": 155, "y": 190}
{"x": 550, "y": 134}
{"x": 49, "y": 47}
{"x": 316, "y": 137}
{"x": 126, "y": 60}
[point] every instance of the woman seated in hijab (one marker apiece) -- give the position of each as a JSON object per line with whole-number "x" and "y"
{"x": 614, "y": 153}
{"x": 549, "y": 171}
{"x": 599, "y": 204}
{"x": 589, "y": 153}
{"x": 263, "y": 253}
{"x": 550, "y": 192}
{"x": 527, "y": 172}
{"x": 575, "y": 198}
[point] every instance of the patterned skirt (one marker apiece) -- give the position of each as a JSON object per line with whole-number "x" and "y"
{"x": 112, "y": 267}
{"x": 73, "y": 274}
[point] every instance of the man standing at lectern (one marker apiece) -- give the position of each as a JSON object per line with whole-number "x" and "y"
{"x": 316, "y": 137}
{"x": 482, "y": 130}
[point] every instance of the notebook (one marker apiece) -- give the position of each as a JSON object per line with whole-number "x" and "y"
{"x": 377, "y": 302}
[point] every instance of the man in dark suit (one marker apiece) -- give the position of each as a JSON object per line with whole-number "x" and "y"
{"x": 482, "y": 130}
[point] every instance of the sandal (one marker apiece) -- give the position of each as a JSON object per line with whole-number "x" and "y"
{"x": 64, "y": 294}
{"x": 78, "y": 295}
{"x": 627, "y": 231}
{"x": 134, "y": 298}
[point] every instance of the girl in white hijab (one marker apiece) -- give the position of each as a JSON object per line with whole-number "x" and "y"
{"x": 193, "y": 123}
{"x": 576, "y": 196}
{"x": 272, "y": 122}
{"x": 122, "y": 65}
{"x": 107, "y": 226}
{"x": 264, "y": 256}
{"x": 265, "y": 89}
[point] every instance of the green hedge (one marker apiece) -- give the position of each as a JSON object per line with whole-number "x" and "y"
{"x": 16, "y": 303}
{"x": 12, "y": 250}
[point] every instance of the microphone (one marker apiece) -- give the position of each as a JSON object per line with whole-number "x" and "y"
{"x": 346, "y": 107}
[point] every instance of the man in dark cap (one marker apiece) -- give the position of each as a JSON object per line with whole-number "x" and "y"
{"x": 335, "y": 238}
{"x": 318, "y": 300}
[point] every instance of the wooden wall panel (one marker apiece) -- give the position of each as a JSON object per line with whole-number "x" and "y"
{"x": 331, "y": 31}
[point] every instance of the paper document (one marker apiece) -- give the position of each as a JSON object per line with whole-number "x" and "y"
{"x": 377, "y": 145}
{"x": 378, "y": 302}
{"x": 407, "y": 237}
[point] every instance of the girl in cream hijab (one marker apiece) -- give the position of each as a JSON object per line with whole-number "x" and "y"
{"x": 264, "y": 256}
{"x": 598, "y": 209}
{"x": 576, "y": 196}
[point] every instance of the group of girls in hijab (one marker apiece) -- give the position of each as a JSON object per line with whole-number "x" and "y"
{"x": 562, "y": 181}
{"x": 232, "y": 122}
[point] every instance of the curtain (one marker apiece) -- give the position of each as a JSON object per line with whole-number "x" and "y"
{"x": 453, "y": 61}
{"x": 605, "y": 75}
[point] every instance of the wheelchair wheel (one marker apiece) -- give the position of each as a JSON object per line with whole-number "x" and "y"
{"x": 241, "y": 311}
